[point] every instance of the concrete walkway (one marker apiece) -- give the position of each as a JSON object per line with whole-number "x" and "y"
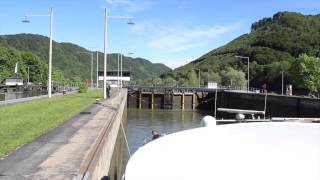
{"x": 26, "y": 99}
{"x": 59, "y": 153}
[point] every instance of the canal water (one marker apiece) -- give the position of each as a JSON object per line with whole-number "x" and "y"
{"x": 140, "y": 123}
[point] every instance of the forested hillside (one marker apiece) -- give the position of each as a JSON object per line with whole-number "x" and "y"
{"x": 69, "y": 61}
{"x": 283, "y": 42}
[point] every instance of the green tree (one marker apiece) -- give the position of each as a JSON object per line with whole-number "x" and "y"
{"x": 305, "y": 72}
{"x": 66, "y": 58}
{"x": 10, "y": 56}
{"x": 169, "y": 81}
{"x": 58, "y": 76}
{"x": 183, "y": 81}
{"x": 193, "y": 77}
{"x": 76, "y": 79}
{"x": 8, "y": 59}
{"x": 38, "y": 70}
{"x": 210, "y": 76}
{"x": 272, "y": 45}
{"x": 233, "y": 77}
{"x": 157, "y": 81}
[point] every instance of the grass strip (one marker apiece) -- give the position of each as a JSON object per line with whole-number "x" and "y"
{"x": 21, "y": 123}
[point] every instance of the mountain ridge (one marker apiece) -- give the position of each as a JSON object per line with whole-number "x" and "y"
{"x": 72, "y": 63}
{"x": 273, "y": 44}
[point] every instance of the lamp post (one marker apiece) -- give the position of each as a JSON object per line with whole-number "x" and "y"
{"x": 50, "y": 15}
{"x": 91, "y": 73}
{"x": 129, "y": 54}
{"x": 121, "y": 72}
{"x": 121, "y": 84}
{"x": 282, "y": 82}
{"x": 198, "y": 76}
{"x": 97, "y": 58}
{"x": 106, "y": 17}
{"x": 248, "y": 79}
{"x": 118, "y": 73}
{"x": 29, "y": 71}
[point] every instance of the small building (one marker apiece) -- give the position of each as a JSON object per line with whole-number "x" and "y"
{"x": 12, "y": 81}
{"x": 113, "y": 77}
{"x": 212, "y": 85}
{"x": 289, "y": 90}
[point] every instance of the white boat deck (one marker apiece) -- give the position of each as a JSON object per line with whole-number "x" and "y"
{"x": 251, "y": 151}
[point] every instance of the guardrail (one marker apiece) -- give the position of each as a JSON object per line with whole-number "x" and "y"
{"x": 170, "y": 89}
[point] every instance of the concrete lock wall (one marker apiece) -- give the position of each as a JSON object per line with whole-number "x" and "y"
{"x": 158, "y": 101}
{"x": 116, "y": 166}
{"x": 133, "y": 100}
{"x": 188, "y": 101}
{"x": 150, "y": 100}
{"x": 146, "y": 101}
{"x": 176, "y": 101}
{"x": 277, "y": 106}
{"x": 105, "y": 158}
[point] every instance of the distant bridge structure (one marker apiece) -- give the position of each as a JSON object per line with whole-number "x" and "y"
{"x": 191, "y": 98}
{"x": 171, "y": 89}
{"x": 166, "y": 97}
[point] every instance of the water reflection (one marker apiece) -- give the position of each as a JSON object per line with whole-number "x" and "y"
{"x": 142, "y": 122}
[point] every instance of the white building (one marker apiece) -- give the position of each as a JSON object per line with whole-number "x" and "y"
{"x": 212, "y": 85}
{"x": 13, "y": 81}
{"x": 114, "y": 79}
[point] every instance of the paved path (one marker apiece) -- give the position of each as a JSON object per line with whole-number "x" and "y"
{"x": 58, "y": 154}
{"x": 20, "y": 100}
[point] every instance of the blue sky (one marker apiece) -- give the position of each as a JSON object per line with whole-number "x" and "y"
{"x": 172, "y": 32}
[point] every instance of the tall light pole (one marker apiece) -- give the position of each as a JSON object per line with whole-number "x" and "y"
{"x": 245, "y": 57}
{"x": 105, "y": 54}
{"x": 91, "y": 73}
{"x": 118, "y": 74}
{"x": 97, "y": 58}
{"x": 91, "y": 70}
{"x": 131, "y": 75}
{"x": 105, "y": 46}
{"x": 121, "y": 72}
{"x": 282, "y": 82}
{"x": 199, "y": 76}
{"x": 29, "y": 71}
{"x": 50, "y": 15}
{"x": 121, "y": 84}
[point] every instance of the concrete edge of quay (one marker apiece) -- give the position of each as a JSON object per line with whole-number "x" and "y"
{"x": 84, "y": 147}
{"x": 100, "y": 161}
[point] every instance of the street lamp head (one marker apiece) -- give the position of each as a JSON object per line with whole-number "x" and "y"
{"x": 243, "y": 57}
{"x": 130, "y": 22}
{"x": 25, "y": 20}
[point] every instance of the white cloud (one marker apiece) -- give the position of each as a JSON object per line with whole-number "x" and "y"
{"x": 130, "y": 5}
{"x": 174, "y": 45}
{"x": 184, "y": 38}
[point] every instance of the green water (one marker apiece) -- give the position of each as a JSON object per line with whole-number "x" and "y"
{"x": 141, "y": 122}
